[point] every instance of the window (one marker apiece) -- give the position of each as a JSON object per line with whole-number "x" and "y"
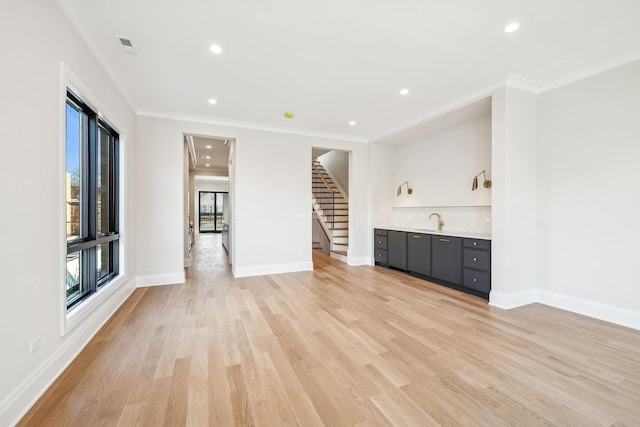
{"x": 91, "y": 200}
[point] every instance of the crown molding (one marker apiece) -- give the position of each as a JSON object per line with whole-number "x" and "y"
{"x": 610, "y": 64}
{"x": 237, "y": 124}
{"x": 77, "y": 22}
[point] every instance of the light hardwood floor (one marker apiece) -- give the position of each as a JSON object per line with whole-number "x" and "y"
{"x": 341, "y": 346}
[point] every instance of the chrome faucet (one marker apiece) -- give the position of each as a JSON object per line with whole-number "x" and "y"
{"x": 440, "y": 223}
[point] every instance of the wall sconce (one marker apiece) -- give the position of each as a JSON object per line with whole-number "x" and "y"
{"x": 485, "y": 184}
{"x": 409, "y": 189}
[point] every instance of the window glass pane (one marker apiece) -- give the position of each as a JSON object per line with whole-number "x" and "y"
{"x": 103, "y": 259}
{"x": 103, "y": 181}
{"x": 74, "y": 276}
{"x": 73, "y": 172}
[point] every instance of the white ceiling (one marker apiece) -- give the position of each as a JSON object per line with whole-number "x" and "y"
{"x": 333, "y": 61}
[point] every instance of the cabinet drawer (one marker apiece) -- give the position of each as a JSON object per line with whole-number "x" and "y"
{"x": 379, "y": 232}
{"x": 478, "y": 259}
{"x": 478, "y": 280}
{"x": 477, "y": 244}
{"x": 380, "y": 242}
{"x": 380, "y": 256}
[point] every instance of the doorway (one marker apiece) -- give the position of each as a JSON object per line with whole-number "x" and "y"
{"x": 212, "y": 208}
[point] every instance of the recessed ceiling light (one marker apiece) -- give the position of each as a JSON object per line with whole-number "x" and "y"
{"x": 404, "y": 91}
{"x": 207, "y": 165}
{"x": 212, "y": 101}
{"x": 511, "y": 27}
{"x": 215, "y": 49}
{"x": 207, "y": 157}
{"x": 289, "y": 115}
{"x": 352, "y": 123}
{"x": 207, "y": 146}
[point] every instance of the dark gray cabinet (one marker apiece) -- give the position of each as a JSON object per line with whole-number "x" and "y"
{"x": 397, "y": 249}
{"x": 380, "y": 246}
{"x": 477, "y": 265}
{"x": 446, "y": 258}
{"x": 419, "y": 253}
{"x": 456, "y": 262}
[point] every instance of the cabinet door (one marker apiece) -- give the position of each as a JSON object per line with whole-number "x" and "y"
{"x": 419, "y": 253}
{"x": 397, "y": 249}
{"x": 446, "y": 259}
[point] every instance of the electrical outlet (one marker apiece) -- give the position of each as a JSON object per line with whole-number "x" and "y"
{"x": 34, "y": 345}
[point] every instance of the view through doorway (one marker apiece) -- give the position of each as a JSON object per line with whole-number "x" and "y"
{"x": 212, "y": 207}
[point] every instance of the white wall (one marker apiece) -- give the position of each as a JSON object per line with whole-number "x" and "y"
{"x": 382, "y": 184}
{"x": 589, "y": 196}
{"x": 270, "y": 191}
{"x": 439, "y": 167}
{"x": 34, "y": 39}
{"x": 513, "y": 256}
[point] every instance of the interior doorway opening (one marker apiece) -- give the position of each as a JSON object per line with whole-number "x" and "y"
{"x": 330, "y": 173}
{"x": 208, "y": 195}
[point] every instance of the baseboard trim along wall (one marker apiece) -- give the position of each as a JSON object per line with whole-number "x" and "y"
{"x": 262, "y": 270}
{"x": 161, "y": 279}
{"x": 357, "y": 261}
{"x": 511, "y": 300}
{"x": 608, "y": 313}
{"x": 18, "y": 403}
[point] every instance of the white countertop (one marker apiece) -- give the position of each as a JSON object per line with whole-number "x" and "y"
{"x": 467, "y": 234}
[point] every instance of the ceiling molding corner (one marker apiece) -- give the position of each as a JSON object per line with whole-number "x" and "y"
{"x": 591, "y": 71}
{"x": 517, "y": 82}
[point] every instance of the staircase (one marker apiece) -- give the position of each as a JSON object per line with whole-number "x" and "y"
{"x": 332, "y": 209}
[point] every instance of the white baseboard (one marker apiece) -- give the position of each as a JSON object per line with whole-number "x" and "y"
{"x": 608, "y": 313}
{"x": 261, "y": 270}
{"x": 18, "y": 403}
{"x": 160, "y": 279}
{"x": 513, "y": 299}
{"x": 355, "y": 261}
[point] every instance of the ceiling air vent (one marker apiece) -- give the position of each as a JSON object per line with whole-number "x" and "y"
{"x": 126, "y": 44}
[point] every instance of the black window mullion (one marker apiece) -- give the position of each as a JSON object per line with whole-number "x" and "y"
{"x": 91, "y": 271}
{"x": 84, "y": 171}
{"x": 114, "y": 209}
{"x": 92, "y": 176}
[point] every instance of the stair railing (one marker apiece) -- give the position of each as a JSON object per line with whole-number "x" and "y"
{"x": 333, "y": 195}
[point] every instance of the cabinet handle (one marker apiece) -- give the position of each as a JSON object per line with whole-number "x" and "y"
{"x": 475, "y": 243}
{"x": 379, "y": 255}
{"x": 380, "y": 241}
{"x": 445, "y": 240}
{"x": 475, "y": 259}
{"x": 417, "y": 237}
{"x": 475, "y": 280}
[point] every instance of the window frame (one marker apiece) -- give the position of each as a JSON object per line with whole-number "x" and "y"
{"x": 89, "y": 241}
